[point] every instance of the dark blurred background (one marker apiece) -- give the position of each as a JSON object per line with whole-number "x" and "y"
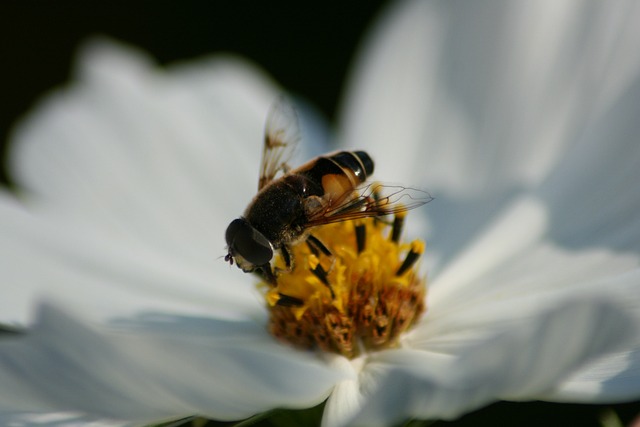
{"x": 307, "y": 49}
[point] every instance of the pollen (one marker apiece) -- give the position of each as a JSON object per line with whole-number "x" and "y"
{"x": 354, "y": 287}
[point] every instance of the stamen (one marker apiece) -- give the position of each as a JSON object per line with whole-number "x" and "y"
{"x": 417, "y": 249}
{"x": 319, "y": 272}
{"x": 289, "y": 301}
{"x": 313, "y": 248}
{"x": 316, "y": 245}
{"x": 398, "y": 225}
{"x": 361, "y": 237}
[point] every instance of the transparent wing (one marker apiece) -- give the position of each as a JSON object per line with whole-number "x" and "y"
{"x": 372, "y": 200}
{"x": 281, "y": 137}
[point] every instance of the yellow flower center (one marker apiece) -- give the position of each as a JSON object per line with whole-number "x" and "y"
{"x": 361, "y": 296}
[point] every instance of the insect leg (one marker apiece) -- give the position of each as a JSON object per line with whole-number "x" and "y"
{"x": 266, "y": 273}
{"x": 288, "y": 261}
{"x": 286, "y": 255}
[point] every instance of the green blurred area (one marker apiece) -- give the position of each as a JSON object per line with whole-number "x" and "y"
{"x": 501, "y": 414}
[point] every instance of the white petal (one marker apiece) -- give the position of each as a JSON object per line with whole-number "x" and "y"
{"x": 344, "y": 402}
{"x": 159, "y": 367}
{"x": 108, "y": 276}
{"x": 514, "y": 231}
{"x": 524, "y": 287}
{"x": 521, "y": 295}
{"x": 611, "y": 379}
{"x": 468, "y": 97}
{"x": 517, "y": 361}
{"x": 529, "y": 282}
{"x": 346, "y": 399}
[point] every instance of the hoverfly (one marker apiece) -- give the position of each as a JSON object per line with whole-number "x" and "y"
{"x": 326, "y": 189}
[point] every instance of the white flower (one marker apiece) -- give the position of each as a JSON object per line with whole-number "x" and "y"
{"x": 520, "y": 117}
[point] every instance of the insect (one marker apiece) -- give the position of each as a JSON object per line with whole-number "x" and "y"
{"x": 326, "y": 189}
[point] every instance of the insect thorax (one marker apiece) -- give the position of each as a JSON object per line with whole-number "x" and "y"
{"x": 278, "y": 212}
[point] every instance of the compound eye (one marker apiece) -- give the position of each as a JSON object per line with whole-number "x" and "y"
{"x": 248, "y": 242}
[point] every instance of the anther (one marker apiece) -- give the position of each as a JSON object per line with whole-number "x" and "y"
{"x": 375, "y": 194}
{"x": 417, "y": 248}
{"x": 398, "y": 225}
{"x": 319, "y": 272}
{"x": 361, "y": 237}
{"x": 313, "y": 248}
{"x": 289, "y": 301}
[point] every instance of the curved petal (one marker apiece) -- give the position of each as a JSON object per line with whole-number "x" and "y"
{"x": 616, "y": 377}
{"x": 346, "y": 398}
{"x": 612, "y": 379}
{"x": 343, "y": 404}
{"x": 469, "y": 97}
{"x": 108, "y": 276}
{"x": 517, "y": 361}
{"x": 167, "y": 367}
